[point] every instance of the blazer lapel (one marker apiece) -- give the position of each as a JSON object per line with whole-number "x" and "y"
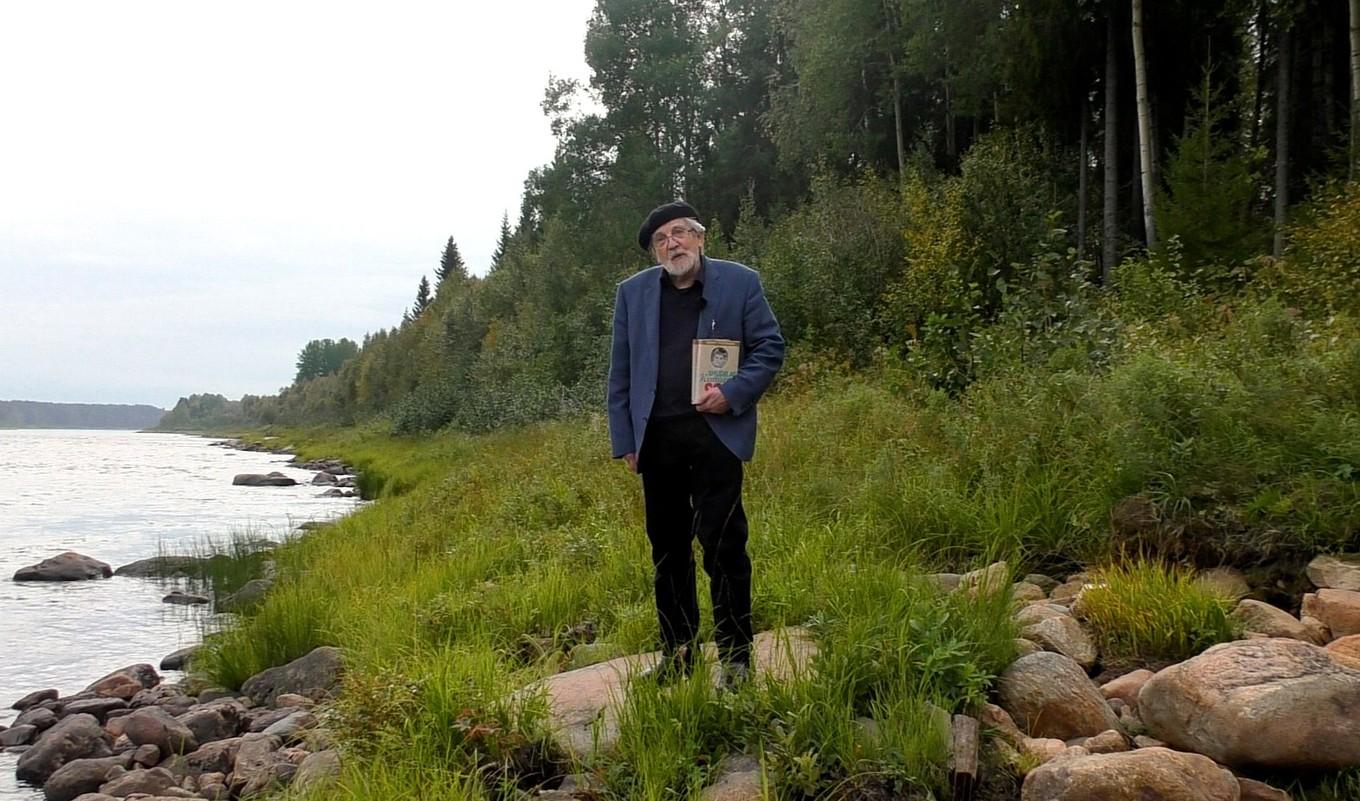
{"x": 708, "y": 317}
{"x": 651, "y": 327}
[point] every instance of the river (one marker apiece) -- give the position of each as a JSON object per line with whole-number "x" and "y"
{"x": 118, "y": 496}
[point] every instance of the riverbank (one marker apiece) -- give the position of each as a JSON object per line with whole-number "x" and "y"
{"x": 122, "y": 497}
{"x": 496, "y": 562}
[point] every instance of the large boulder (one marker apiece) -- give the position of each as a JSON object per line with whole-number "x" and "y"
{"x": 1142, "y": 775}
{"x": 80, "y": 776}
{"x": 317, "y": 671}
{"x": 154, "y": 725}
{"x": 1340, "y": 572}
{"x": 1049, "y": 695}
{"x": 266, "y": 480}
{"x": 68, "y": 566}
{"x": 1274, "y": 703}
{"x": 74, "y": 737}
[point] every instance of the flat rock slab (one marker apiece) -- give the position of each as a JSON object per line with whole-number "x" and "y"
{"x": 584, "y": 703}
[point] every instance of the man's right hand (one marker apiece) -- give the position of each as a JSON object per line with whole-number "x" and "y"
{"x": 631, "y": 460}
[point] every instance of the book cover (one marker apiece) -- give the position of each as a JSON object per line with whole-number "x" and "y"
{"x": 713, "y": 362}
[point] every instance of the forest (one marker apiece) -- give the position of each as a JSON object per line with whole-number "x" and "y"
{"x": 942, "y": 184}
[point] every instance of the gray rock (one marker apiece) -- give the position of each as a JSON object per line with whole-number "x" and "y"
{"x": 179, "y": 660}
{"x": 154, "y": 781}
{"x": 248, "y": 596}
{"x": 215, "y": 757}
{"x": 80, "y": 776}
{"x": 213, "y": 694}
{"x": 68, "y": 566}
{"x": 320, "y": 769}
{"x": 39, "y": 717}
{"x": 255, "y": 761}
{"x": 185, "y": 598}
{"x": 217, "y": 721}
{"x": 261, "y": 718}
{"x": 290, "y": 729}
{"x": 147, "y": 755}
{"x": 323, "y": 478}
{"x": 33, "y": 699}
{"x": 154, "y": 725}
{"x": 99, "y": 707}
{"x": 162, "y": 567}
{"x": 18, "y": 735}
{"x": 319, "y": 670}
{"x": 274, "y": 479}
{"x": 74, "y": 737}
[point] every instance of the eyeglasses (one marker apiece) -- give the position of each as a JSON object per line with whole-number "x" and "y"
{"x": 677, "y": 234}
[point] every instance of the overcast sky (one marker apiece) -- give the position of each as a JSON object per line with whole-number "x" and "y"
{"x": 189, "y": 192}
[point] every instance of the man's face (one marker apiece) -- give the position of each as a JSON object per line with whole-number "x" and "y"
{"x": 677, "y": 246}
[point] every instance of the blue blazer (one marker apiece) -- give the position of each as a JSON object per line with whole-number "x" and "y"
{"x": 734, "y": 308}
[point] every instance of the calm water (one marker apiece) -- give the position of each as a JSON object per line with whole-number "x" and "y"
{"x": 118, "y": 496}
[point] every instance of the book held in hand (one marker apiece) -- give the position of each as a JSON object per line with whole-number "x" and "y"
{"x": 713, "y": 362}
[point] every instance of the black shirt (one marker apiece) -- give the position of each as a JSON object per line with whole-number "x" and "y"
{"x": 680, "y": 310}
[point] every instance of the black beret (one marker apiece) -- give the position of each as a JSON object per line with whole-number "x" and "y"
{"x": 661, "y": 215}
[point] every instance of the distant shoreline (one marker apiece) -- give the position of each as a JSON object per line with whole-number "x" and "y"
{"x": 16, "y": 414}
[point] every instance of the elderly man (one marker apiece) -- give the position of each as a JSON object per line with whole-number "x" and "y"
{"x": 690, "y": 454}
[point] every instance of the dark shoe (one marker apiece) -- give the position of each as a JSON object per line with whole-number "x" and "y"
{"x": 734, "y": 675}
{"x": 670, "y": 668}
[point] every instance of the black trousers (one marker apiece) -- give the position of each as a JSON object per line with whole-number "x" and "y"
{"x": 691, "y": 485}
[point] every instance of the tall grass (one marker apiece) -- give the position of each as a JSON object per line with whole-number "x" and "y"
{"x": 1242, "y": 432}
{"x": 1144, "y": 609}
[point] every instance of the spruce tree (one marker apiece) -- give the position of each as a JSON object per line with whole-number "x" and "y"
{"x": 450, "y": 263}
{"x": 422, "y": 297}
{"x": 504, "y": 242}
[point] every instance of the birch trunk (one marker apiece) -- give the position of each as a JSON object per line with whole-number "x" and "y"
{"x": 1144, "y": 124}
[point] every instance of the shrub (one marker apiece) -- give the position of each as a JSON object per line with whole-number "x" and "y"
{"x": 1149, "y": 611}
{"x": 1321, "y": 269}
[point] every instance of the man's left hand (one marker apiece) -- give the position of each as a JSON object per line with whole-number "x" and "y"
{"x": 713, "y": 402}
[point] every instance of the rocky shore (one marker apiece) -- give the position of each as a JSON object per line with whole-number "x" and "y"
{"x": 131, "y": 734}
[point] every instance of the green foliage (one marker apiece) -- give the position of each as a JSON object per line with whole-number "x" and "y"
{"x": 322, "y": 357}
{"x": 1209, "y": 208}
{"x": 1150, "y": 611}
{"x": 1321, "y": 269}
{"x": 825, "y": 265}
